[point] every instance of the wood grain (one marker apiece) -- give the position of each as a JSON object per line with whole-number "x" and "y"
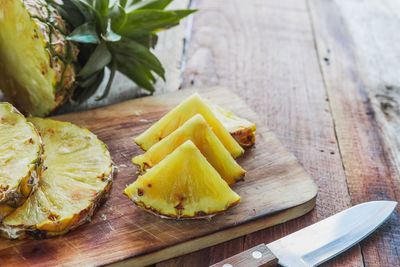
{"x": 357, "y": 59}
{"x": 264, "y": 51}
{"x": 121, "y": 231}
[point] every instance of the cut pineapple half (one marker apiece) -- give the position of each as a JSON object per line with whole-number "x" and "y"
{"x": 178, "y": 116}
{"x": 37, "y": 70}
{"x": 241, "y": 129}
{"x": 197, "y": 130}
{"x": 183, "y": 185}
{"x": 20, "y": 158}
{"x": 77, "y": 178}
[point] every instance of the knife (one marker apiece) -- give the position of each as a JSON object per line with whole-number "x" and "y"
{"x": 318, "y": 242}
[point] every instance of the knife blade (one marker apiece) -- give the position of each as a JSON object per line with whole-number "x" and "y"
{"x": 318, "y": 242}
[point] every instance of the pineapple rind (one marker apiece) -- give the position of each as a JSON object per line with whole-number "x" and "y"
{"x": 178, "y": 116}
{"x": 241, "y": 129}
{"x": 182, "y": 186}
{"x": 197, "y": 130}
{"x": 77, "y": 180}
{"x": 21, "y": 159}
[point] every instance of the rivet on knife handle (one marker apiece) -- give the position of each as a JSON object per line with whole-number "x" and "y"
{"x": 256, "y": 256}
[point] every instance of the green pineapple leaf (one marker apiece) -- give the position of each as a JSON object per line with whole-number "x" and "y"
{"x": 149, "y": 4}
{"x": 150, "y": 20}
{"x": 85, "y": 33}
{"x": 100, "y": 58}
{"x": 134, "y": 51}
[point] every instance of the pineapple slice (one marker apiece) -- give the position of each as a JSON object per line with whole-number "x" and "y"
{"x": 20, "y": 158}
{"x": 182, "y": 185}
{"x": 197, "y": 130}
{"x": 77, "y": 179}
{"x": 241, "y": 129}
{"x": 178, "y": 116}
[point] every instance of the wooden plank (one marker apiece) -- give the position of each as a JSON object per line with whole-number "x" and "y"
{"x": 360, "y": 63}
{"x": 119, "y": 231}
{"x": 264, "y": 51}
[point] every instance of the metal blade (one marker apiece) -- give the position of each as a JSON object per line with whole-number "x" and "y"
{"x": 322, "y": 241}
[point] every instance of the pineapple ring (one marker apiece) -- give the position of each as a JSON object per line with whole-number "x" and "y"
{"x": 77, "y": 179}
{"x": 20, "y": 159}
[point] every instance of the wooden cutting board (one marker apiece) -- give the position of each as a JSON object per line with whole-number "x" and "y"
{"x": 276, "y": 189}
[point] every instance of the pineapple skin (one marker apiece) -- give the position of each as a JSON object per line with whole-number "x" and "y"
{"x": 197, "y": 130}
{"x": 37, "y": 63}
{"x": 178, "y": 116}
{"x": 14, "y": 196}
{"x": 59, "y": 226}
{"x": 183, "y": 186}
{"x": 241, "y": 129}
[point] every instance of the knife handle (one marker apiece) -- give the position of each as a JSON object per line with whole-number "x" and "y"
{"x": 258, "y": 256}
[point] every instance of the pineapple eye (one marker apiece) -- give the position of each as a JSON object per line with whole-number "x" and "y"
{"x": 140, "y": 192}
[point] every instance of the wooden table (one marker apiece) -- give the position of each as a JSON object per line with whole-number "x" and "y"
{"x": 325, "y": 77}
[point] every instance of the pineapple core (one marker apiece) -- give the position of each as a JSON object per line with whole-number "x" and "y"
{"x": 197, "y": 130}
{"x": 178, "y": 116}
{"x": 182, "y": 185}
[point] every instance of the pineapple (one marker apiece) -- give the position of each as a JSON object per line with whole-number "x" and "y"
{"x": 77, "y": 178}
{"x": 241, "y": 129}
{"x": 20, "y": 159}
{"x": 178, "y": 116}
{"x": 37, "y": 70}
{"x": 40, "y": 40}
{"x": 197, "y": 130}
{"x": 183, "y": 185}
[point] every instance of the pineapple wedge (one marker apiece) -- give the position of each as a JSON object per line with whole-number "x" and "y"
{"x": 241, "y": 129}
{"x": 197, "y": 130}
{"x": 77, "y": 179}
{"x": 178, "y": 116}
{"x": 20, "y": 159}
{"x": 183, "y": 185}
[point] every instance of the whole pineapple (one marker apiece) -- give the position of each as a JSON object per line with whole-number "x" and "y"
{"x": 51, "y": 50}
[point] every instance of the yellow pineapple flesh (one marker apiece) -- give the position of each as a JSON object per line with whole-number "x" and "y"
{"x": 197, "y": 130}
{"x": 183, "y": 185}
{"x": 178, "y": 116}
{"x": 241, "y": 129}
{"x": 77, "y": 179}
{"x": 20, "y": 158}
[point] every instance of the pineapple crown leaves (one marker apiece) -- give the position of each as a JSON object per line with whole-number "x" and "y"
{"x": 117, "y": 34}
